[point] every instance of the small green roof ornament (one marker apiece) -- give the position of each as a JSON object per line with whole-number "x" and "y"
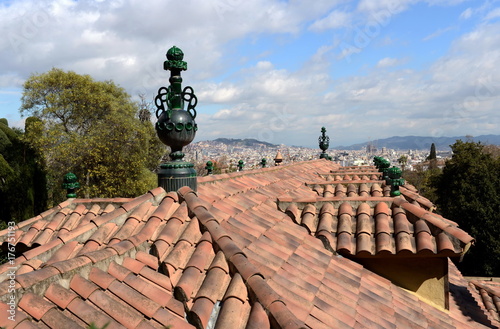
{"x": 382, "y": 166}
{"x": 209, "y": 167}
{"x": 241, "y": 164}
{"x": 395, "y": 180}
{"x": 263, "y": 162}
{"x": 70, "y": 183}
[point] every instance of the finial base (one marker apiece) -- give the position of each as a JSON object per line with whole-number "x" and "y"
{"x": 175, "y": 174}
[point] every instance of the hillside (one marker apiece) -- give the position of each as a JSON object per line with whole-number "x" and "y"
{"x": 420, "y": 142}
{"x": 247, "y": 142}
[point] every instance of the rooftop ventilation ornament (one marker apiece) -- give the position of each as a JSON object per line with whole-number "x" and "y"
{"x": 241, "y": 164}
{"x": 382, "y": 166}
{"x": 324, "y": 143}
{"x": 70, "y": 183}
{"x": 209, "y": 167}
{"x": 263, "y": 162}
{"x": 395, "y": 180}
{"x": 175, "y": 126}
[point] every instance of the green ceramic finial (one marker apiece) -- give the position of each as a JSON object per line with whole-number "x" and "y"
{"x": 324, "y": 143}
{"x": 241, "y": 164}
{"x": 395, "y": 180}
{"x": 70, "y": 184}
{"x": 263, "y": 162}
{"x": 174, "y": 60}
{"x": 176, "y": 127}
{"x": 209, "y": 167}
{"x": 383, "y": 166}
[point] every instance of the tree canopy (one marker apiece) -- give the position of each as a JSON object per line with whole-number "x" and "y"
{"x": 23, "y": 190}
{"x": 91, "y": 128}
{"x": 468, "y": 192}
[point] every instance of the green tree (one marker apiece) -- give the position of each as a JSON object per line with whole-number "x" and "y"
{"x": 91, "y": 128}
{"x": 468, "y": 192}
{"x": 403, "y": 161}
{"x": 23, "y": 191}
{"x": 432, "y": 154}
{"x": 432, "y": 157}
{"x": 423, "y": 179}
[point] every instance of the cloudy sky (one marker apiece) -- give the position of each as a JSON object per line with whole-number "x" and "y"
{"x": 277, "y": 70}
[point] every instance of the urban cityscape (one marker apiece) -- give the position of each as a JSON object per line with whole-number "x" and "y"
{"x": 228, "y": 152}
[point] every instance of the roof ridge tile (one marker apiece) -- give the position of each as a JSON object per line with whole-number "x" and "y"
{"x": 59, "y": 295}
{"x": 101, "y": 278}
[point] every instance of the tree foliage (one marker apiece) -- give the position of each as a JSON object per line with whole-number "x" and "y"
{"x": 432, "y": 154}
{"x": 90, "y": 128}
{"x": 468, "y": 192}
{"x": 22, "y": 176}
{"x": 423, "y": 180}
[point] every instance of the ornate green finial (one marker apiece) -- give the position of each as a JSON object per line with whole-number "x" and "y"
{"x": 174, "y": 60}
{"x": 70, "y": 184}
{"x": 382, "y": 165}
{"x": 209, "y": 167}
{"x": 241, "y": 164}
{"x": 324, "y": 142}
{"x": 176, "y": 127}
{"x": 263, "y": 162}
{"x": 395, "y": 180}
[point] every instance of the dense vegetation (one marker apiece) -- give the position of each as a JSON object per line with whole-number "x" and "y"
{"x": 467, "y": 191}
{"x": 23, "y": 190}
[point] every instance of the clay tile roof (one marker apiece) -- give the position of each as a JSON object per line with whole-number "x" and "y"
{"x": 489, "y": 292}
{"x": 252, "y": 249}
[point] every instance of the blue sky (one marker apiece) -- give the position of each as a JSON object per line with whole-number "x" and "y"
{"x": 277, "y": 70}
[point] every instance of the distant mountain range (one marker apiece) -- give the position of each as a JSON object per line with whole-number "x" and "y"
{"x": 395, "y": 142}
{"x": 420, "y": 142}
{"x": 247, "y": 142}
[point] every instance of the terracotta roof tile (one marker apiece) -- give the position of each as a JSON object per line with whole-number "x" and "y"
{"x": 89, "y": 314}
{"x": 258, "y": 318}
{"x": 200, "y": 312}
{"x": 55, "y": 319}
{"x": 64, "y": 252}
{"x": 166, "y": 318}
{"x": 34, "y": 305}
{"x": 122, "y": 247}
{"x": 82, "y": 287}
{"x": 152, "y": 291}
{"x": 101, "y": 278}
{"x": 138, "y": 301}
{"x": 156, "y": 277}
{"x": 119, "y": 311}
{"x": 99, "y": 255}
{"x": 234, "y": 314}
{"x": 7, "y": 321}
{"x": 263, "y": 256}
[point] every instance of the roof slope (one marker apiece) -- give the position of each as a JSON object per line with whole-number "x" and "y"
{"x": 227, "y": 254}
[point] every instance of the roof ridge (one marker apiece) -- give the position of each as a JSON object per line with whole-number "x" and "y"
{"x": 437, "y": 221}
{"x": 238, "y": 260}
{"x": 214, "y": 178}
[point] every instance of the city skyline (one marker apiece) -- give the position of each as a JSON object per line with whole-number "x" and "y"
{"x": 277, "y": 71}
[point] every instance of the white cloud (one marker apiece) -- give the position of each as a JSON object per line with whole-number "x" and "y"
{"x": 387, "y": 62}
{"x": 439, "y": 33}
{"x": 495, "y": 13}
{"x": 466, "y": 14}
{"x": 336, "y": 19}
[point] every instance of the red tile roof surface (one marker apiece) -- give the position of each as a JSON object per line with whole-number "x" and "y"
{"x": 228, "y": 255}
